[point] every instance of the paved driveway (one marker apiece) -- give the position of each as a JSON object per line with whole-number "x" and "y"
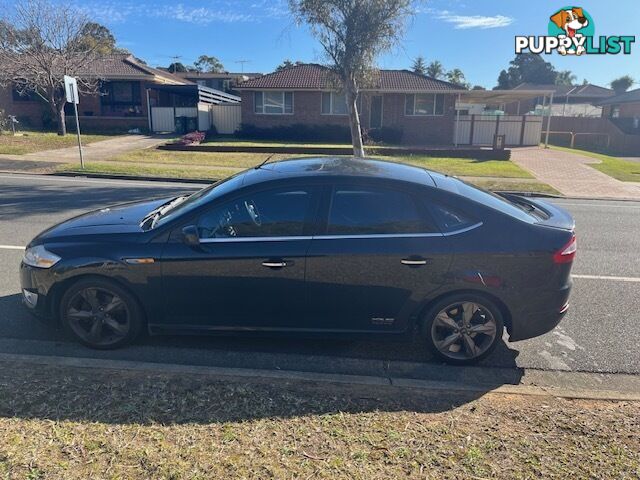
{"x": 570, "y": 174}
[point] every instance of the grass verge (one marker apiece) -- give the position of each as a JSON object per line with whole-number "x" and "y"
{"x": 29, "y": 142}
{"x": 618, "y": 168}
{"x": 65, "y": 423}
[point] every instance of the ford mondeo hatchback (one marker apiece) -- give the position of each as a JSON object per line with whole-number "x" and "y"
{"x": 315, "y": 246}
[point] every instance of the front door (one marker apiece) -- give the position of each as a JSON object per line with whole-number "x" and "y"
{"x": 249, "y": 270}
{"x": 375, "y": 116}
{"x": 378, "y": 258}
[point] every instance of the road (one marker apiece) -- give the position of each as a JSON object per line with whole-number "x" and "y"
{"x": 599, "y": 334}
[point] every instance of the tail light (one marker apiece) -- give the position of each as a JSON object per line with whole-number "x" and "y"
{"x": 567, "y": 253}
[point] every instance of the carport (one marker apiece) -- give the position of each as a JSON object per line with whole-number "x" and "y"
{"x": 184, "y": 108}
{"x": 518, "y": 130}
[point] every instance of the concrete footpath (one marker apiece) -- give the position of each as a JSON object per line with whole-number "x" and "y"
{"x": 570, "y": 174}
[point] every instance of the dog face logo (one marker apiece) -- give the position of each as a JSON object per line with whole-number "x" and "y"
{"x": 571, "y": 23}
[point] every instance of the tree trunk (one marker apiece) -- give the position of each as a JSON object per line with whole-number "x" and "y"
{"x": 62, "y": 126}
{"x": 354, "y": 120}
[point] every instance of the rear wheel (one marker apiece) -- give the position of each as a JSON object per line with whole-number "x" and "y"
{"x": 463, "y": 329}
{"x": 100, "y": 314}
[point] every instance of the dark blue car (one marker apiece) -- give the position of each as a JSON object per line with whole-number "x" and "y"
{"x": 316, "y": 246}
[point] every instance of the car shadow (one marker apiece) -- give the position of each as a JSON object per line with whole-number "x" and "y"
{"x": 182, "y": 396}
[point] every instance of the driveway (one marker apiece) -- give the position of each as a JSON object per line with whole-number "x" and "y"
{"x": 92, "y": 152}
{"x": 570, "y": 174}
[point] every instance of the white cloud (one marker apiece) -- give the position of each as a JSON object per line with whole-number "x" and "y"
{"x": 475, "y": 21}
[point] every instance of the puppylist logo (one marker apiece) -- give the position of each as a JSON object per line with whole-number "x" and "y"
{"x": 572, "y": 32}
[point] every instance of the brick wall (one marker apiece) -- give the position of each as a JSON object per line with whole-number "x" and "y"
{"x": 417, "y": 130}
{"x": 627, "y": 110}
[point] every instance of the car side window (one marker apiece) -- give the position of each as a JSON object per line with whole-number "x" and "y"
{"x": 372, "y": 210}
{"x": 449, "y": 218}
{"x": 271, "y": 213}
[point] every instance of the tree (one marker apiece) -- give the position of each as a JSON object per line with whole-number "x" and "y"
{"x": 622, "y": 84}
{"x": 352, "y": 34}
{"x": 435, "y": 69}
{"x": 419, "y": 65}
{"x": 527, "y": 68}
{"x": 99, "y": 38}
{"x": 456, "y": 76}
{"x": 478, "y": 87}
{"x": 286, "y": 63}
{"x": 208, "y": 64}
{"x": 566, "y": 77}
{"x": 177, "y": 67}
{"x": 40, "y": 42}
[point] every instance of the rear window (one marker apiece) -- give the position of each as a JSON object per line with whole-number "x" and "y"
{"x": 483, "y": 197}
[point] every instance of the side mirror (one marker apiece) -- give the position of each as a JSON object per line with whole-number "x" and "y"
{"x": 190, "y": 236}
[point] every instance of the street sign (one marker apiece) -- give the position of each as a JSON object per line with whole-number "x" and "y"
{"x": 71, "y": 89}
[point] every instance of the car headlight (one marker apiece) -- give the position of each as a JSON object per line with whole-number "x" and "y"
{"x": 40, "y": 257}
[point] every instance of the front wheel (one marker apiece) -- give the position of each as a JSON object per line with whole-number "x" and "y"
{"x": 463, "y": 329}
{"x": 100, "y": 314}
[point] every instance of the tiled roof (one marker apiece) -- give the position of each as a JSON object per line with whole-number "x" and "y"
{"x": 626, "y": 97}
{"x": 317, "y": 77}
{"x": 574, "y": 91}
{"x": 121, "y": 65}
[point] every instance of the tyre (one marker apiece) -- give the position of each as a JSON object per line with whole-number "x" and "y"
{"x": 462, "y": 329}
{"x": 100, "y": 314}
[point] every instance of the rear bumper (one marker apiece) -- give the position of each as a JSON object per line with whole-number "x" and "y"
{"x": 538, "y": 321}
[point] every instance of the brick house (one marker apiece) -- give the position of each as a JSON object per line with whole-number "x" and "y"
{"x": 122, "y": 103}
{"x": 623, "y": 110}
{"x": 420, "y": 107}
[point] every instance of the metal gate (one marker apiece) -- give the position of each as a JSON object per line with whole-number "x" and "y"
{"x": 480, "y": 129}
{"x": 226, "y": 118}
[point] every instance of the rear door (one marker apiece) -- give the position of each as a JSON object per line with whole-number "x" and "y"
{"x": 374, "y": 260}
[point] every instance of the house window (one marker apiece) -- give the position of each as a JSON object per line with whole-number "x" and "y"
{"x": 427, "y": 104}
{"x": 334, "y": 103}
{"x": 121, "y": 99}
{"x": 22, "y": 96}
{"x": 615, "y": 111}
{"x": 273, "y": 103}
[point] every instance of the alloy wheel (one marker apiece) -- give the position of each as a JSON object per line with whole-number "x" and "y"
{"x": 463, "y": 330}
{"x": 98, "y": 316}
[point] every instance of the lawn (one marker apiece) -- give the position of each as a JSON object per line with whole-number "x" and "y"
{"x": 29, "y": 142}
{"x": 71, "y": 423}
{"x": 619, "y": 168}
{"x": 493, "y": 174}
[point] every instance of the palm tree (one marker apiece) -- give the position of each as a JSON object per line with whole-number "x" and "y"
{"x": 419, "y": 65}
{"x": 566, "y": 77}
{"x": 456, "y": 76}
{"x": 435, "y": 69}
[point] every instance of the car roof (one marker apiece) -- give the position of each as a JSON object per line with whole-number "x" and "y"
{"x": 338, "y": 167}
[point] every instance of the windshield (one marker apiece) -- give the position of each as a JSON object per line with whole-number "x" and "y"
{"x": 181, "y": 205}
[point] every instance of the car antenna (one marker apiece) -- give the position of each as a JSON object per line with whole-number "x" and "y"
{"x": 265, "y": 161}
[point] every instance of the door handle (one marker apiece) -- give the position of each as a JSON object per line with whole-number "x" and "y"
{"x": 274, "y": 264}
{"x": 414, "y": 262}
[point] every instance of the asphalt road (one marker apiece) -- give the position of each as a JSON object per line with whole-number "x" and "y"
{"x": 600, "y": 333}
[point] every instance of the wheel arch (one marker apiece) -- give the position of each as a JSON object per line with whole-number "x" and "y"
{"x": 60, "y": 288}
{"x": 428, "y": 304}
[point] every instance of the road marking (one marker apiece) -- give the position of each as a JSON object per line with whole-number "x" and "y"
{"x": 11, "y": 247}
{"x": 606, "y": 277}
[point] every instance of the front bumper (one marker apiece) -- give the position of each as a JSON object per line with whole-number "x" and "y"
{"x": 35, "y": 287}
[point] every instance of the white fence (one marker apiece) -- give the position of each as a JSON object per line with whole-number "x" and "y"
{"x": 480, "y": 129}
{"x": 226, "y": 118}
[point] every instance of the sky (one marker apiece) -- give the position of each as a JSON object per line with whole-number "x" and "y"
{"x": 476, "y": 36}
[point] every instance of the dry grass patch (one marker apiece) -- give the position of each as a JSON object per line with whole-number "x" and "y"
{"x": 73, "y": 423}
{"x": 29, "y": 142}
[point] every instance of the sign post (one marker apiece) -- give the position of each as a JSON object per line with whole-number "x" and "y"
{"x": 71, "y": 91}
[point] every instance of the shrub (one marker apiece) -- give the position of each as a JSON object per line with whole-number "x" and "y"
{"x": 4, "y": 121}
{"x": 296, "y": 132}
{"x": 192, "y": 138}
{"x": 383, "y": 135}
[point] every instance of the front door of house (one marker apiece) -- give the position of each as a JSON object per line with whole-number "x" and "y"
{"x": 375, "y": 118}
